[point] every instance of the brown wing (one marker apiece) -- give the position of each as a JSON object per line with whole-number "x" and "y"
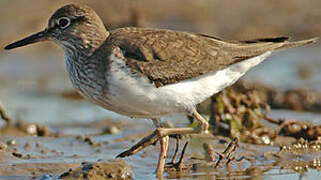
{"x": 167, "y": 57}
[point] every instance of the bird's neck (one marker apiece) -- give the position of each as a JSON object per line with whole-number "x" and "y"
{"x": 80, "y": 57}
{"x": 86, "y": 73}
{"x": 83, "y": 45}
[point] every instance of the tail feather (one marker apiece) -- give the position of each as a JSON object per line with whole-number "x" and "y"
{"x": 288, "y": 44}
{"x": 269, "y": 39}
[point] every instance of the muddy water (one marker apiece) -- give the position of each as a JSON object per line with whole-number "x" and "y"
{"x": 31, "y": 88}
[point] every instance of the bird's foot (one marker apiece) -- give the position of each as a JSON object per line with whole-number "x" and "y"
{"x": 154, "y": 137}
{"x": 143, "y": 143}
{"x": 179, "y": 164}
{"x": 161, "y": 134}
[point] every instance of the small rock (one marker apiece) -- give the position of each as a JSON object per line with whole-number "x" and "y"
{"x": 3, "y": 147}
{"x": 11, "y": 142}
{"x": 113, "y": 169}
{"x": 31, "y": 129}
{"x": 111, "y": 130}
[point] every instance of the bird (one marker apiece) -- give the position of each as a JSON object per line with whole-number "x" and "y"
{"x": 147, "y": 72}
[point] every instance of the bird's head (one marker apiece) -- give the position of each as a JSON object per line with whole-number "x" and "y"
{"x": 72, "y": 27}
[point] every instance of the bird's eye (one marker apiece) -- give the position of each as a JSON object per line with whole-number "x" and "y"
{"x": 63, "y": 22}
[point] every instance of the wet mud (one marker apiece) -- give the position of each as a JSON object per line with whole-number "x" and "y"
{"x": 27, "y": 154}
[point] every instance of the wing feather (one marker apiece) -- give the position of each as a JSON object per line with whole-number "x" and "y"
{"x": 167, "y": 57}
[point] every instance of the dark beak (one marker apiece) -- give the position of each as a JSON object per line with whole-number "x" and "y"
{"x": 40, "y": 36}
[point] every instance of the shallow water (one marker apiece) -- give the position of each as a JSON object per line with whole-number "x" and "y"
{"x": 31, "y": 87}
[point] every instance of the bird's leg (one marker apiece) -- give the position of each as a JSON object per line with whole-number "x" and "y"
{"x": 176, "y": 150}
{"x": 162, "y": 135}
{"x": 157, "y": 122}
{"x": 161, "y": 132}
{"x": 161, "y": 160}
{"x": 155, "y": 136}
{"x": 163, "y": 141}
{"x": 178, "y": 165}
{"x": 203, "y": 123}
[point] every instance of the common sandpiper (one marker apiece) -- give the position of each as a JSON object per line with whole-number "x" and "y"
{"x": 150, "y": 73}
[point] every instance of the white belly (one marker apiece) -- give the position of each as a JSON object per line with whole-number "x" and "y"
{"x": 137, "y": 97}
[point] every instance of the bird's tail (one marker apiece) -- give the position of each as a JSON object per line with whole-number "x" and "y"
{"x": 288, "y": 44}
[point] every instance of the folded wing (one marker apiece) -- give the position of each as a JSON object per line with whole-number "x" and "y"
{"x": 167, "y": 57}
